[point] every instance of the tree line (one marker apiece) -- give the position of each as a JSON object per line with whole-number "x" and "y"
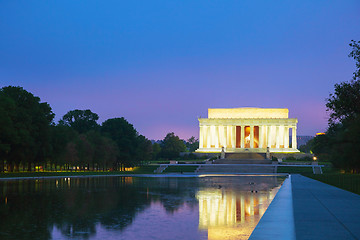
{"x": 341, "y": 142}
{"x": 31, "y": 140}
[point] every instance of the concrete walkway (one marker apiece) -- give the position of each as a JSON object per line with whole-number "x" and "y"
{"x": 320, "y": 211}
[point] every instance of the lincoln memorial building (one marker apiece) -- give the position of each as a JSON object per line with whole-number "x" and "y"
{"x": 247, "y": 130}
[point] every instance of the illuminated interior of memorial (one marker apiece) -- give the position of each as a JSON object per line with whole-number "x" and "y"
{"x": 247, "y": 130}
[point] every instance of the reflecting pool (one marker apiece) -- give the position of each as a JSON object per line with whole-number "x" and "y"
{"x": 209, "y": 207}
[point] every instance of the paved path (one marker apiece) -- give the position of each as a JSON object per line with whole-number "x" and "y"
{"x": 320, "y": 211}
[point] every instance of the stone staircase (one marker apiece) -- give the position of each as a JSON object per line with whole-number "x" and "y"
{"x": 245, "y": 156}
{"x": 317, "y": 170}
{"x": 245, "y": 168}
{"x": 241, "y": 161}
{"x": 160, "y": 169}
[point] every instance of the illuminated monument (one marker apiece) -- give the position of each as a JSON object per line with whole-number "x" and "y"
{"x": 247, "y": 130}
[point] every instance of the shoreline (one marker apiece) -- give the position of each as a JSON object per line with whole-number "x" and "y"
{"x": 148, "y": 175}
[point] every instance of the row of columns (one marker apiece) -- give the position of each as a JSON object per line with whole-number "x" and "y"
{"x": 219, "y": 208}
{"x": 217, "y": 136}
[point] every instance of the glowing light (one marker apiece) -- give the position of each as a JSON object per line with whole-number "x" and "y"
{"x": 320, "y": 133}
{"x": 314, "y": 158}
{"x": 247, "y": 129}
{"x": 247, "y": 139}
{"x": 229, "y": 215}
{"x": 248, "y": 113}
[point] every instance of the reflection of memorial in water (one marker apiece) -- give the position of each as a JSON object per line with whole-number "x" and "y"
{"x": 229, "y": 214}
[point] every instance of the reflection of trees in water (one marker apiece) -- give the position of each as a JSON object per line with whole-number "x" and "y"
{"x": 30, "y": 209}
{"x": 173, "y": 193}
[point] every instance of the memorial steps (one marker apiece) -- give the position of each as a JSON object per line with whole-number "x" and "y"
{"x": 233, "y": 163}
{"x": 243, "y": 158}
{"x": 252, "y": 156}
{"x": 235, "y": 168}
{"x": 241, "y": 161}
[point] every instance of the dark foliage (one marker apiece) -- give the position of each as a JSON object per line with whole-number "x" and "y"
{"x": 132, "y": 147}
{"x": 25, "y": 128}
{"x": 80, "y": 120}
{"x": 171, "y": 146}
{"x": 341, "y": 142}
{"x": 30, "y": 139}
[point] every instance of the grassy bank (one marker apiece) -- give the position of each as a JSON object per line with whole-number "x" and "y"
{"x": 179, "y": 169}
{"x": 137, "y": 170}
{"x": 349, "y": 182}
{"x": 179, "y": 161}
{"x": 331, "y": 176}
{"x": 299, "y": 170}
{"x": 148, "y": 169}
{"x": 307, "y": 162}
{"x": 304, "y": 170}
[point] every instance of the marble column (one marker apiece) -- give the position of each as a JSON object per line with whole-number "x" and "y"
{"x": 269, "y": 136}
{"x": 294, "y": 143}
{"x": 208, "y": 136}
{"x": 220, "y": 136}
{"x": 242, "y": 136}
{"x": 251, "y": 136}
{"x": 260, "y": 136}
{"x": 217, "y": 137}
{"x": 201, "y": 137}
{"x": 233, "y": 136}
{"x": 277, "y": 138}
{"x": 212, "y": 136}
{"x": 286, "y": 137}
{"x": 225, "y": 137}
{"x": 228, "y": 136}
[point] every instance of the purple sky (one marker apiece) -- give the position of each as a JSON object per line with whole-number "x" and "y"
{"x": 161, "y": 64}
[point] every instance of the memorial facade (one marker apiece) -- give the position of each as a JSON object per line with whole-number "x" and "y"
{"x": 247, "y": 130}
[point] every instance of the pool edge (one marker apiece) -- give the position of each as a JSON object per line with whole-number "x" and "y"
{"x": 278, "y": 220}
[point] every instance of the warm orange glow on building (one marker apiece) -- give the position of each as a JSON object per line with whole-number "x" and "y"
{"x": 228, "y": 215}
{"x": 247, "y": 130}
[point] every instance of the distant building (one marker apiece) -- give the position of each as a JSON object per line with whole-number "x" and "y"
{"x": 302, "y": 140}
{"x": 247, "y": 130}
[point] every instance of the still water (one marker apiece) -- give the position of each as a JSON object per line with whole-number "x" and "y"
{"x": 226, "y": 207}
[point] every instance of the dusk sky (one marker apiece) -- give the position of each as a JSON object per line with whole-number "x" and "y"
{"x": 162, "y": 64}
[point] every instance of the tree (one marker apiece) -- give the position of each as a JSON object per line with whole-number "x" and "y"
{"x": 7, "y": 131}
{"x": 126, "y": 138}
{"x": 343, "y": 135}
{"x": 355, "y": 54}
{"x": 80, "y": 120}
{"x": 105, "y": 150}
{"x": 192, "y": 144}
{"x": 344, "y": 103}
{"x": 144, "y": 149}
{"x": 319, "y": 146}
{"x": 28, "y": 120}
{"x": 156, "y": 149}
{"x": 172, "y": 146}
{"x": 61, "y": 136}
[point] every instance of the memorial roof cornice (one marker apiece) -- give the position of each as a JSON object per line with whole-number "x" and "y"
{"x": 251, "y": 121}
